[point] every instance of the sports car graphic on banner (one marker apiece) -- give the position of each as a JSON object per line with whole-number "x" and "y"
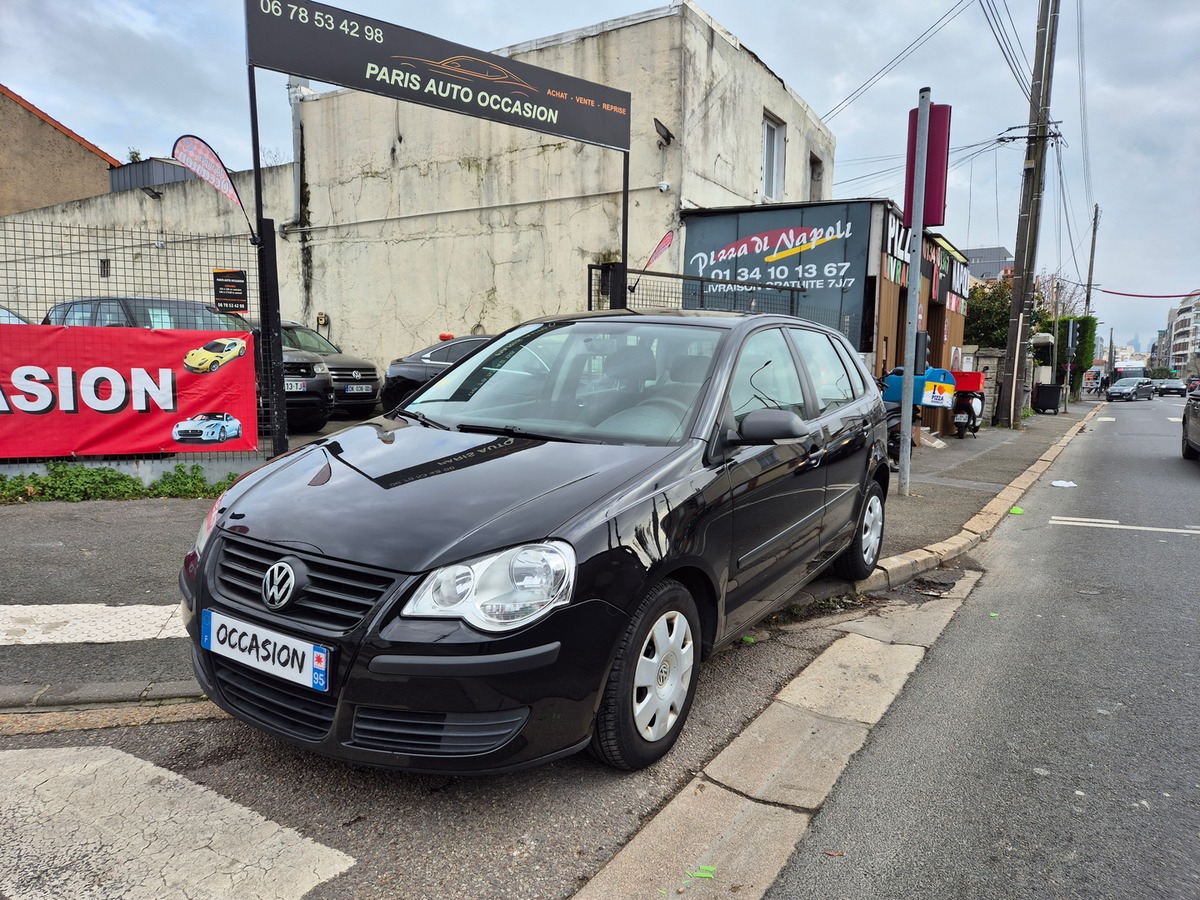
{"x": 84, "y": 391}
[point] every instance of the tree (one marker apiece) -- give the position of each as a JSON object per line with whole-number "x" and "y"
{"x": 988, "y": 308}
{"x": 135, "y": 155}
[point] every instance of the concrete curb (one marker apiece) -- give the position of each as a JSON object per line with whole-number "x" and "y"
{"x": 758, "y": 795}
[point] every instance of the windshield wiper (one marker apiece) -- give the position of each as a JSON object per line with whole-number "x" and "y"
{"x": 420, "y": 417}
{"x": 518, "y": 432}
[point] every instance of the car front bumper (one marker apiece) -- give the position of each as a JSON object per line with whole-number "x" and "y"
{"x": 423, "y": 695}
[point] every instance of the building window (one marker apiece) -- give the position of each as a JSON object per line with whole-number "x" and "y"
{"x": 816, "y": 176}
{"x": 105, "y": 268}
{"x": 774, "y": 137}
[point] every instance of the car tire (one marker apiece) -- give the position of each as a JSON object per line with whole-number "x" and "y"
{"x": 652, "y": 682}
{"x": 221, "y": 436}
{"x": 214, "y": 365}
{"x": 1189, "y": 452}
{"x": 241, "y": 351}
{"x": 858, "y": 560}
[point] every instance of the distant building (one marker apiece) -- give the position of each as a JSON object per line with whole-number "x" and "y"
{"x": 42, "y": 162}
{"x": 990, "y": 263}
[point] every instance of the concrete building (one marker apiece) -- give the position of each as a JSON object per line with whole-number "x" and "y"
{"x": 1181, "y": 339}
{"x": 42, "y": 162}
{"x": 408, "y": 221}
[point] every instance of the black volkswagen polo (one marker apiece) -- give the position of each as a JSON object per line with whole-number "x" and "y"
{"x": 532, "y": 554}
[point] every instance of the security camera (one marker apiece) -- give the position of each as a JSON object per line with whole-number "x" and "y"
{"x": 664, "y": 186}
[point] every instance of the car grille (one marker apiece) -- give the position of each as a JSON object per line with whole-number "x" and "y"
{"x": 435, "y": 734}
{"x": 345, "y": 374}
{"x": 190, "y": 432}
{"x": 280, "y": 705}
{"x": 298, "y": 369}
{"x": 336, "y": 598}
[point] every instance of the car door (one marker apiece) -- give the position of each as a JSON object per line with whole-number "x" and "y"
{"x": 778, "y": 490}
{"x": 843, "y": 412}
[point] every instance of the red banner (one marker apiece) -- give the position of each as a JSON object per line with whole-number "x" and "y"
{"x": 77, "y": 391}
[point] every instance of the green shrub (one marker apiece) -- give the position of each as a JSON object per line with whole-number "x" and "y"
{"x": 72, "y": 482}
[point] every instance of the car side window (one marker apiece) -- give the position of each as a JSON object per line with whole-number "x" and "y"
{"x": 79, "y": 314}
{"x": 765, "y": 377}
{"x": 110, "y": 312}
{"x": 829, "y": 376}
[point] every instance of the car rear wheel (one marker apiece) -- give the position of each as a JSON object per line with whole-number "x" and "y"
{"x": 652, "y": 682}
{"x": 858, "y": 560}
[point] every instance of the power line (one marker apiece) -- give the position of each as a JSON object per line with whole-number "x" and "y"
{"x": 954, "y": 12}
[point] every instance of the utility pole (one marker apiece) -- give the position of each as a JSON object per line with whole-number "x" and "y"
{"x": 1028, "y": 223}
{"x": 1087, "y": 296}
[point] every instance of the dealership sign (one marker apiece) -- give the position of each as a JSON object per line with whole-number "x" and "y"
{"x": 316, "y": 41}
{"x": 79, "y": 391}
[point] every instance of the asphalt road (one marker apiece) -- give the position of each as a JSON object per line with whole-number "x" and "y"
{"x": 1047, "y": 747}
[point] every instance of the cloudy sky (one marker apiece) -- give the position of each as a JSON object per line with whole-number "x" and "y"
{"x": 1126, "y": 94}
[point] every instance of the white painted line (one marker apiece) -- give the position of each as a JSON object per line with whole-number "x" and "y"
{"x": 1106, "y": 418}
{"x": 1174, "y": 418}
{"x": 1192, "y": 532}
{"x": 80, "y": 623}
{"x": 85, "y": 822}
{"x": 1094, "y": 521}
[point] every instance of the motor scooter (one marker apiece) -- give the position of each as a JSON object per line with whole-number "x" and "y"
{"x": 968, "y": 402}
{"x": 895, "y": 420}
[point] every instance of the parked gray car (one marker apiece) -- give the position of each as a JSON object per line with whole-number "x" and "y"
{"x": 1130, "y": 389}
{"x": 355, "y": 380}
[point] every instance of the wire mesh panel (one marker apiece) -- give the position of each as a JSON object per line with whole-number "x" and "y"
{"x": 189, "y": 296}
{"x": 657, "y": 290}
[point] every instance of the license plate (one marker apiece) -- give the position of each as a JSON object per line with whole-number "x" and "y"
{"x": 961, "y": 417}
{"x": 265, "y": 650}
{"x": 359, "y": 388}
{"x": 295, "y": 385}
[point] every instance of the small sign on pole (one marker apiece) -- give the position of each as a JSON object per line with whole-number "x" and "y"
{"x": 229, "y": 290}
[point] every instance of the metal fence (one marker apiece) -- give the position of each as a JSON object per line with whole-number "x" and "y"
{"x": 657, "y": 290}
{"x": 42, "y": 265}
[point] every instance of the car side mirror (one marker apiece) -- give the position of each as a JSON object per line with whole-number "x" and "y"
{"x": 771, "y": 426}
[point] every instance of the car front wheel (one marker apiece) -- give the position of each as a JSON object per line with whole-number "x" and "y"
{"x": 858, "y": 560}
{"x": 1189, "y": 452}
{"x": 652, "y": 682}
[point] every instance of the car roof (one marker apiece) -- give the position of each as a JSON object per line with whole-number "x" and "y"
{"x": 728, "y": 320}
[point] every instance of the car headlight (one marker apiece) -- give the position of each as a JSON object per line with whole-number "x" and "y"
{"x": 499, "y": 591}
{"x": 320, "y": 368}
{"x": 210, "y": 522}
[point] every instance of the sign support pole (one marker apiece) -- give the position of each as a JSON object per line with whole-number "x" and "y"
{"x": 913, "y": 306}
{"x": 269, "y": 358}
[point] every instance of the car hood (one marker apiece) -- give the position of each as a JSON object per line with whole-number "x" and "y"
{"x": 346, "y": 361}
{"x": 408, "y": 498}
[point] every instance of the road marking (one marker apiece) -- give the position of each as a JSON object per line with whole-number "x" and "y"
{"x": 77, "y": 623}
{"x": 1193, "y": 530}
{"x": 94, "y": 821}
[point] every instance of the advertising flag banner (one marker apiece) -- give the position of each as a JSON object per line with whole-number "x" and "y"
{"x": 202, "y": 159}
{"x": 662, "y": 248}
{"x": 82, "y": 391}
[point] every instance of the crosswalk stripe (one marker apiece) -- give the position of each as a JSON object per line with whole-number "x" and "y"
{"x": 85, "y": 822}
{"x": 75, "y": 623}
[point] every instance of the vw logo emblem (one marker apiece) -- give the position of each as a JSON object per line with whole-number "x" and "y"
{"x": 357, "y": 374}
{"x": 278, "y": 584}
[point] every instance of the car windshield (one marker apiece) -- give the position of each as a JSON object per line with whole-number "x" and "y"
{"x": 590, "y": 380}
{"x": 307, "y": 339}
{"x": 1126, "y": 383}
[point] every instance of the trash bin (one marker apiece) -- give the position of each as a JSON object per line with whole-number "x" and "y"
{"x": 1046, "y": 397}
